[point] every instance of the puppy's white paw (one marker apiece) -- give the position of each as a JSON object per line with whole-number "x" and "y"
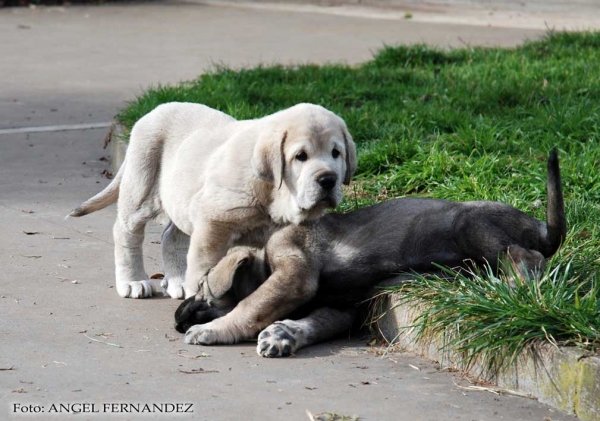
{"x": 208, "y": 334}
{"x": 173, "y": 287}
{"x": 277, "y": 340}
{"x": 136, "y": 289}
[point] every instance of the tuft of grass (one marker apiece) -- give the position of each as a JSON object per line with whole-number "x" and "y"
{"x": 485, "y": 319}
{"x": 462, "y": 124}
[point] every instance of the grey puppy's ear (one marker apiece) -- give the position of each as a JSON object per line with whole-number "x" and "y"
{"x": 268, "y": 160}
{"x": 351, "y": 161}
{"x": 222, "y": 278}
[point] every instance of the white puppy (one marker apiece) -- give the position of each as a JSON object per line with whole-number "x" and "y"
{"x": 220, "y": 181}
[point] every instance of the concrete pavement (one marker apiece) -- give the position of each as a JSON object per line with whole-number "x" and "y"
{"x": 79, "y": 64}
{"x": 571, "y": 15}
{"x": 65, "y": 335}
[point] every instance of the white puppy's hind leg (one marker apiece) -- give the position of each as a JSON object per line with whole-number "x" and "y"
{"x": 175, "y": 245}
{"x": 131, "y": 277}
{"x": 138, "y": 203}
{"x": 282, "y": 339}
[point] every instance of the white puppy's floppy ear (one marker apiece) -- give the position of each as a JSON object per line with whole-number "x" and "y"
{"x": 268, "y": 160}
{"x": 350, "y": 156}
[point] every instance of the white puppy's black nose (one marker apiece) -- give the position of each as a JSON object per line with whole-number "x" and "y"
{"x": 327, "y": 181}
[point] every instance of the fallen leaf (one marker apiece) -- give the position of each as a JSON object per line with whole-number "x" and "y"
{"x": 107, "y": 174}
{"x": 27, "y": 211}
{"x": 309, "y": 388}
{"x": 584, "y": 234}
{"x": 365, "y": 383}
{"x": 24, "y": 382}
{"x": 7, "y": 368}
{"x": 372, "y": 343}
{"x": 21, "y": 390}
{"x": 157, "y": 276}
{"x": 415, "y": 367}
{"x": 108, "y": 136}
{"x": 32, "y": 256}
{"x": 30, "y": 232}
{"x": 75, "y": 281}
{"x": 82, "y": 331}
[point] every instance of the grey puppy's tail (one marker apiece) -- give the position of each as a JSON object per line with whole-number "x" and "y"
{"x": 556, "y": 223}
{"x": 106, "y": 197}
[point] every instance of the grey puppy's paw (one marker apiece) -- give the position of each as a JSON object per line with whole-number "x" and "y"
{"x": 213, "y": 333}
{"x": 277, "y": 340}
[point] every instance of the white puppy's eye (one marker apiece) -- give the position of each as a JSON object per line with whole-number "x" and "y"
{"x": 335, "y": 153}
{"x": 302, "y": 156}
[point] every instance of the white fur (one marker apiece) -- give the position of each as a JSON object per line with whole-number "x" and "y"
{"x": 217, "y": 178}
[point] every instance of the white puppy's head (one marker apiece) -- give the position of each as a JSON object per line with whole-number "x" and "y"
{"x": 306, "y": 153}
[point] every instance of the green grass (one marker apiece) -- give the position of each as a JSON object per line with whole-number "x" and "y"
{"x": 463, "y": 124}
{"x": 482, "y": 317}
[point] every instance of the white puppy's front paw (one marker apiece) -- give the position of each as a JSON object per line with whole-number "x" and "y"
{"x": 208, "y": 334}
{"x": 136, "y": 289}
{"x": 276, "y": 341}
{"x": 173, "y": 287}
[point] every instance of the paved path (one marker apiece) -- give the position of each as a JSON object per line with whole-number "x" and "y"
{"x": 77, "y": 65}
{"x": 572, "y": 15}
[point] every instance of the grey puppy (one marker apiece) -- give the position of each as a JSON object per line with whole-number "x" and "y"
{"x": 321, "y": 270}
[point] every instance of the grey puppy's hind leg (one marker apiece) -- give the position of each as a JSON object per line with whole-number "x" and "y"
{"x": 524, "y": 264}
{"x": 282, "y": 339}
{"x": 175, "y": 245}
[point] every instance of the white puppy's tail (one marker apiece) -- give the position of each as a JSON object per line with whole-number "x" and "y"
{"x": 106, "y": 197}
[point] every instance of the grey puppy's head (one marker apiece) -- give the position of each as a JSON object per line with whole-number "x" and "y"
{"x": 235, "y": 277}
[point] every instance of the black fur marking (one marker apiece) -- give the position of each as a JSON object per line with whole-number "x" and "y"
{"x": 281, "y": 335}
{"x": 286, "y": 350}
{"x": 191, "y": 313}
